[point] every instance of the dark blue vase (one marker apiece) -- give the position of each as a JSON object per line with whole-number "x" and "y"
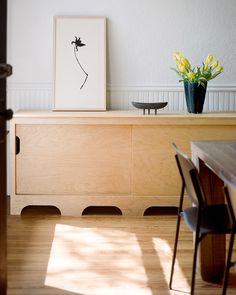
{"x": 195, "y": 96}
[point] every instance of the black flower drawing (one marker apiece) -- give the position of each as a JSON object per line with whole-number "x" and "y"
{"x": 77, "y": 43}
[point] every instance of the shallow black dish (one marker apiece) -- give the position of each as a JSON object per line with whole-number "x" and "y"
{"x": 149, "y": 106}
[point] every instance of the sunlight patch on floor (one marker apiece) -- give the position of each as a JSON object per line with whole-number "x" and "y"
{"x": 165, "y": 253}
{"x": 96, "y": 261}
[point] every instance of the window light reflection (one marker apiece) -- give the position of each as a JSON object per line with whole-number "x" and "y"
{"x": 165, "y": 253}
{"x": 96, "y": 261}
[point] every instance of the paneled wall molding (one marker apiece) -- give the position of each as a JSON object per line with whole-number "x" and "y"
{"x": 40, "y": 96}
{"x": 170, "y": 87}
{"x": 21, "y": 95}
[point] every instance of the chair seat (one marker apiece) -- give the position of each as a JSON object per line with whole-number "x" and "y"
{"x": 214, "y": 219}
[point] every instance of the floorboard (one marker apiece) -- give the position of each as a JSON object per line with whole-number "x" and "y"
{"x": 99, "y": 255}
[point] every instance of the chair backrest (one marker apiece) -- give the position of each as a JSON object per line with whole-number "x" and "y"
{"x": 230, "y": 194}
{"x": 190, "y": 177}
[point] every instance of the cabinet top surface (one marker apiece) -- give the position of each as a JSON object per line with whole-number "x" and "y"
{"x": 120, "y": 114}
{"x": 123, "y": 118}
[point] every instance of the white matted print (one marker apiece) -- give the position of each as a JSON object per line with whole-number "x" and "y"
{"x": 80, "y": 63}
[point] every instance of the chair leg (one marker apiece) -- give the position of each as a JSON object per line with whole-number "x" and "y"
{"x": 196, "y": 244}
{"x": 174, "y": 251}
{"x": 194, "y": 264}
{"x": 177, "y": 235}
{"x": 228, "y": 264}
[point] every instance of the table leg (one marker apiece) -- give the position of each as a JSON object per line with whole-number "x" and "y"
{"x": 212, "y": 248}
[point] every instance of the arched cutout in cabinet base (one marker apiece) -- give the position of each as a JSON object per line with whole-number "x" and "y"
{"x": 40, "y": 210}
{"x": 102, "y": 210}
{"x": 160, "y": 210}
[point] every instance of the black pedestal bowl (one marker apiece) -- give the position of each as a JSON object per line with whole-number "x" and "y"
{"x": 149, "y": 106}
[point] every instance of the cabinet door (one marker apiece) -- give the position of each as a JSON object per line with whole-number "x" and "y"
{"x": 154, "y": 167}
{"x": 73, "y": 159}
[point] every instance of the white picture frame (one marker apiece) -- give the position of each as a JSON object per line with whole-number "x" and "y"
{"x": 79, "y": 63}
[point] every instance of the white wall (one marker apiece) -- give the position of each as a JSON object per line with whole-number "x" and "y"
{"x": 142, "y": 36}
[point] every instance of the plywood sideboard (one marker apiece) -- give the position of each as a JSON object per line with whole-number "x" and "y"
{"x": 72, "y": 160}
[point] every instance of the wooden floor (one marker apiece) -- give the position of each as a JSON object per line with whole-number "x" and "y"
{"x": 99, "y": 255}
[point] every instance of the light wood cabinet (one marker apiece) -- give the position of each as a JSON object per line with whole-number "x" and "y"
{"x": 73, "y": 160}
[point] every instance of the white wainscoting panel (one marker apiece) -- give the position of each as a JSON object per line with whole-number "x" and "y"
{"x": 39, "y": 96}
{"x": 218, "y": 98}
{"x": 29, "y": 96}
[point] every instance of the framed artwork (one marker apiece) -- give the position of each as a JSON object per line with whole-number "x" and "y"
{"x": 79, "y": 63}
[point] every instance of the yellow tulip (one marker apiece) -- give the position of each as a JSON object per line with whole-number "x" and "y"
{"x": 177, "y": 56}
{"x": 185, "y": 62}
{"x": 219, "y": 69}
{"x": 209, "y": 69}
{"x": 179, "y": 63}
{"x": 208, "y": 59}
{"x": 182, "y": 68}
{"x": 191, "y": 75}
{"x": 214, "y": 64}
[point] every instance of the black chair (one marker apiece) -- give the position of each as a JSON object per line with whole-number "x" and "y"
{"x": 202, "y": 219}
{"x": 230, "y": 194}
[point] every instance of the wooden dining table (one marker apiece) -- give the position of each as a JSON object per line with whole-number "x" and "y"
{"x": 212, "y": 159}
